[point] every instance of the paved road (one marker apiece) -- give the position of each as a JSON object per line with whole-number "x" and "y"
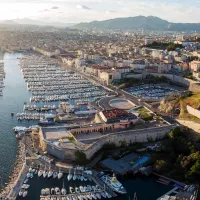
{"x": 104, "y": 103}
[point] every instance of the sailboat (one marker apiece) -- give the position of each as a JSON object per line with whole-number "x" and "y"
{"x": 40, "y": 172}
{"x": 45, "y": 173}
{"x": 98, "y": 195}
{"x": 20, "y": 192}
{"x": 135, "y": 196}
{"x": 63, "y": 190}
{"x": 50, "y": 173}
{"x": 69, "y": 176}
{"x": 82, "y": 177}
{"x": 25, "y": 193}
{"x": 74, "y": 177}
{"x": 55, "y": 174}
{"x": 60, "y": 174}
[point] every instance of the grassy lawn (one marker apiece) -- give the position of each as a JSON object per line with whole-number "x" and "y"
{"x": 144, "y": 113}
{"x": 71, "y": 139}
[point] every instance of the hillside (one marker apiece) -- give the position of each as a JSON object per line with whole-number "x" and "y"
{"x": 8, "y": 22}
{"x": 139, "y": 22}
{"x": 41, "y": 23}
{"x": 177, "y": 105}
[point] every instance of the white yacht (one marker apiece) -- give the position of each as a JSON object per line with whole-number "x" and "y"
{"x": 25, "y": 193}
{"x": 30, "y": 169}
{"x": 89, "y": 196}
{"x": 69, "y": 176}
{"x": 45, "y": 173}
{"x": 63, "y": 190}
{"x": 103, "y": 195}
{"x": 108, "y": 195}
{"x": 82, "y": 189}
{"x": 74, "y": 177}
{"x": 40, "y": 172}
{"x": 78, "y": 177}
{"x": 52, "y": 191}
{"x": 77, "y": 190}
{"x": 20, "y": 128}
{"x": 113, "y": 183}
{"x": 98, "y": 195}
{"x": 93, "y": 195}
{"x": 55, "y": 174}
{"x": 21, "y": 193}
{"x": 50, "y": 173}
{"x": 57, "y": 191}
{"x": 82, "y": 178}
{"x": 60, "y": 174}
{"x": 43, "y": 192}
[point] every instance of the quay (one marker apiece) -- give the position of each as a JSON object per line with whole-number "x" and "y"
{"x": 168, "y": 193}
{"x": 70, "y": 195}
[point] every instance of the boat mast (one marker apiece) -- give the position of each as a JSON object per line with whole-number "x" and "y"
{"x": 135, "y": 196}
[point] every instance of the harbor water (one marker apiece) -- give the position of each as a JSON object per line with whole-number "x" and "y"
{"x": 15, "y": 94}
{"x": 146, "y": 188}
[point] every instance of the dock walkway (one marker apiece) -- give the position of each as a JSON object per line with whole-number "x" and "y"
{"x": 67, "y": 195}
{"x": 98, "y": 181}
{"x": 168, "y": 193}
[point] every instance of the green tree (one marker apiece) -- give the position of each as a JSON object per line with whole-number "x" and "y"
{"x": 161, "y": 166}
{"x": 81, "y": 158}
{"x": 175, "y": 133}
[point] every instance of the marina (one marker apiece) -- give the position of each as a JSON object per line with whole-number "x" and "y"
{"x": 40, "y": 109}
{"x": 134, "y": 184}
{"x": 48, "y": 82}
{"x": 69, "y": 185}
{"x": 151, "y": 91}
{"x": 49, "y": 85}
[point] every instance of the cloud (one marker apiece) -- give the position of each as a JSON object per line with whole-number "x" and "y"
{"x": 45, "y": 10}
{"x": 83, "y": 7}
{"x": 54, "y": 7}
{"x": 111, "y": 11}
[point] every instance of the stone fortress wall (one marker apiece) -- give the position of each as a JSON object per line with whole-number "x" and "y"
{"x": 130, "y": 136}
{"x": 193, "y": 111}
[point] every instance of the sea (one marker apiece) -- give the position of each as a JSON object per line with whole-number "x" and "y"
{"x": 15, "y": 94}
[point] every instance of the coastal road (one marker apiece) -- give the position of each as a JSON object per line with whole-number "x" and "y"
{"x": 104, "y": 103}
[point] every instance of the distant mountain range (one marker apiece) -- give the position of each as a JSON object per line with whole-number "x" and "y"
{"x": 128, "y": 23}
{"x": 139, "y": 22}
{"x": 27, "y": 21}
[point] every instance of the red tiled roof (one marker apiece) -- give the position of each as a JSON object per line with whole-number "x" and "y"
{"x": 125, "y": 67}
{"x": 99, "y": 67}
{"x": 115, "y": 113}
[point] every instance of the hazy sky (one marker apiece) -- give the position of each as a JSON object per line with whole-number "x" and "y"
{"x": 88, "y": 10}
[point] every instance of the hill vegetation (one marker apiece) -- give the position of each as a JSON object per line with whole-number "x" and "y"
{"x": 177, "y": 105}
{"x": 164, "y": 46}
{"x": 179, "y": 159}
{"x": 139, "y": 22}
